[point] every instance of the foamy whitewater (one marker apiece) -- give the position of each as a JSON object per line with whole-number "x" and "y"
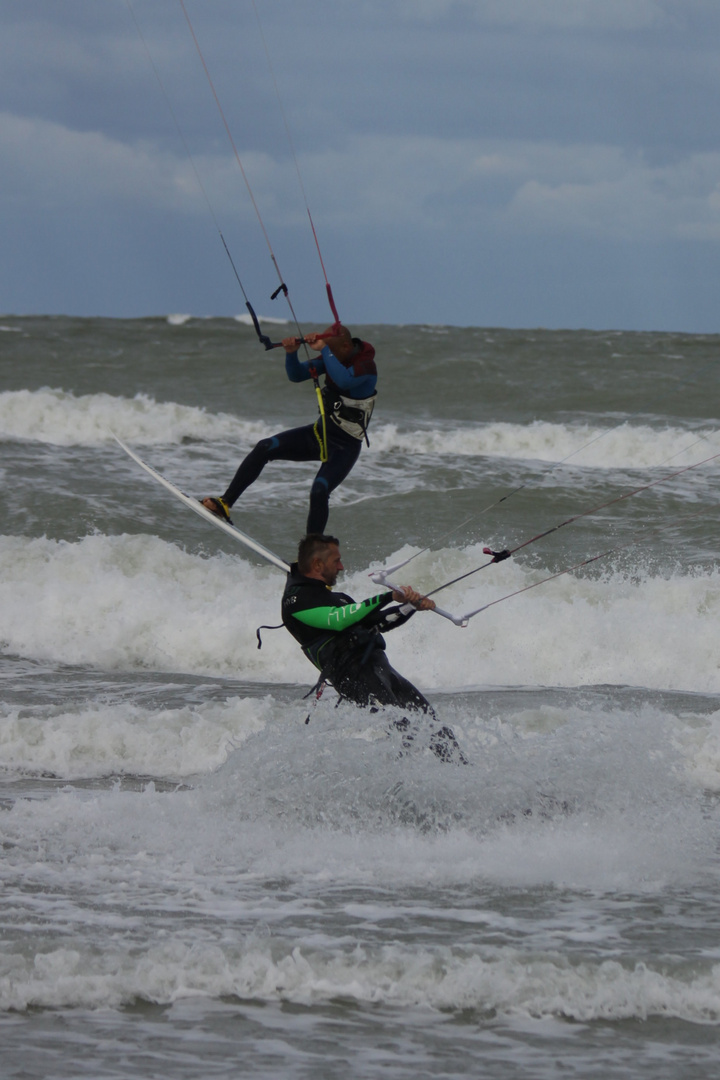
{"x": 204, "y": 872}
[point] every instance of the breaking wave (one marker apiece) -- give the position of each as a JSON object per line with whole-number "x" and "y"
{"x": 60, "y": 417}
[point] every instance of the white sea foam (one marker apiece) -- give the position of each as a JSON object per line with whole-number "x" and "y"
{"x": 640, "y": 630}
{"x": 130, "y": 602}
{"x": 62, "y": 418}
{"x": 120, "y": 739}
{"x": 509, "y": 983}
{"x": 246, "y": 320}
{"x": 134, "y": 602}
{"x": 122, "y": 865}
{"x": 143, "y": 856}
{"x": 699, "y": 740}
{"x": 627, "y": 446}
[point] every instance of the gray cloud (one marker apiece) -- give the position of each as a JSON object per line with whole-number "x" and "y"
{"x": 426, "y": 131}
{"x": 564, "y": 14}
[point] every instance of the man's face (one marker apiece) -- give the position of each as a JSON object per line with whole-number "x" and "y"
{"x": 331, "y": 565}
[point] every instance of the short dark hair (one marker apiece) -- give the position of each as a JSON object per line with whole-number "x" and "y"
{"x": 312, "y": 545}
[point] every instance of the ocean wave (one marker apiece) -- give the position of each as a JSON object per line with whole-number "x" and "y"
{"x": 140, "y": 854}
{"x": 131, "y": 602}
{"x": 509, "y": 983}
{"x": 699, "y": 741}
{"x": 102, "y": 739}
{"x": 245, "y": 319}
{"x": 64, "y": 419}
{"x": 582, "y": 445}
{"x": 134, "y": 602}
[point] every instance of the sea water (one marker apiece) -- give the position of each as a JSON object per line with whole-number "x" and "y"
{"x": 205, "y": 873}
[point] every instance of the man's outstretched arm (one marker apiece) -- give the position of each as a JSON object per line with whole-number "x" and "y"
{"x": 341, "y": 616}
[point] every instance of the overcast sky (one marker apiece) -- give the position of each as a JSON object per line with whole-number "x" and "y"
{"x": 512, "y": 163}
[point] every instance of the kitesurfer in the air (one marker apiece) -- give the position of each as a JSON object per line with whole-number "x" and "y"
{"x": 348, "y": 397}
{"x": 344, "y": 639}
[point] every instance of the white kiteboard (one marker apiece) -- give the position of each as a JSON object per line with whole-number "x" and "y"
{"x": 205, "y": 514}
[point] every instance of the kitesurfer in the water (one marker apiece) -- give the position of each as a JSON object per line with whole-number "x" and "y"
{"x": 344, "y": 639}
{"x": 348, "y": 398}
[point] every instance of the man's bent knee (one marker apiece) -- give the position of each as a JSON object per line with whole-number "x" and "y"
{"x": 266, "y": 446}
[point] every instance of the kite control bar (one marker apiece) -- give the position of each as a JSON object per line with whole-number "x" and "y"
{"x": 380, "y": 578}
{"x": 264, "y": 339}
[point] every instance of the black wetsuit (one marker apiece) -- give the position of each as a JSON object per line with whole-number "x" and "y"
{"x": 301, "y": 444}
{"x": 355, "y": 377}
{"x": 344, "y": 641}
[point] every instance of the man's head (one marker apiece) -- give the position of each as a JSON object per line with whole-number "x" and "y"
{"x": 339, "y": 340}
{"x": 319, "y": 557}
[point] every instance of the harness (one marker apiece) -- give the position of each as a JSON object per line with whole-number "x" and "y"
{"x": 352, "y": 415}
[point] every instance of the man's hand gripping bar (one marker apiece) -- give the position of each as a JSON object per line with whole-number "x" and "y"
{"x": 380, "y": 578}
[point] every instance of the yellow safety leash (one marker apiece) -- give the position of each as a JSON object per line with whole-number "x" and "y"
{"x": 321, "y": 438}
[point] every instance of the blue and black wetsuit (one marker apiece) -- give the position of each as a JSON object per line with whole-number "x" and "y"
{"x": 348, "y": 396}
